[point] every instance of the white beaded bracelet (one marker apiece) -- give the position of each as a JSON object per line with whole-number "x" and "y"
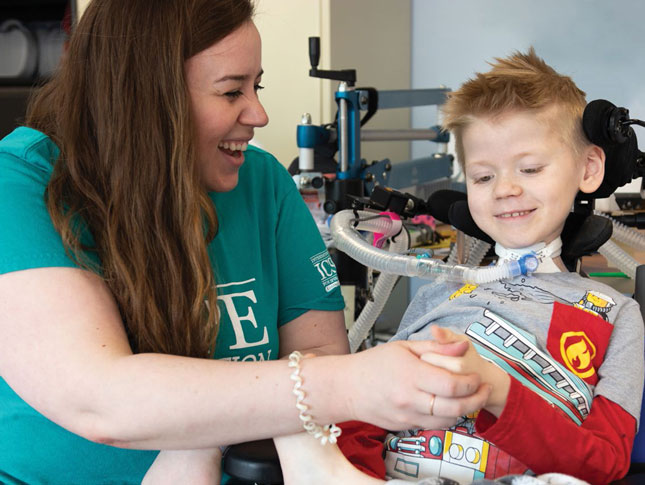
{"x": 328, "y": 433}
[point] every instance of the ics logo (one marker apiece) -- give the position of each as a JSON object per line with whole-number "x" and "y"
{"x": 327, "y": 270}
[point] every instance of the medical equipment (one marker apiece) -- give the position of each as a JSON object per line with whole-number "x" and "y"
{"x": 353, "y": 175}
{"x": 328, "y": 193}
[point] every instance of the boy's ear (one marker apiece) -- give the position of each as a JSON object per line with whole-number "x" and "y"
{"x": 594, "y": 169}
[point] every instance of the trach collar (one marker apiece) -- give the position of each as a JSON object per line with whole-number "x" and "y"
{"x": 545, "y": 253}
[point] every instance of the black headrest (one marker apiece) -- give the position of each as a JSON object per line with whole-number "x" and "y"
{"x": 582, "y": 235}
{"x": 604, "y": 124}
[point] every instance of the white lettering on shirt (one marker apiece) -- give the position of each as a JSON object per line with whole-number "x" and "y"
{"x": 237, "y": 320}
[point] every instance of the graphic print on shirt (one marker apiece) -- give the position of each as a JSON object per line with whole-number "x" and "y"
{"x": 237, "y": 300}
{"x": 557, "y": 375}
{"x": 516, "y": 352}
{"x": 592, "y": 302}
{"x": 596, "y": 303}
{"x": 327, "y": 269}
{"x": 457, "y": 455}
{"x": 579, "y": 330}
{"x": 577, "y": 339}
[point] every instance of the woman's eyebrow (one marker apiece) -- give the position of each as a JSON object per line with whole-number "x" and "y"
{"x": 237, "y": 77}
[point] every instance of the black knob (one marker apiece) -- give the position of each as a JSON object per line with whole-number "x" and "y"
{"x": 314, "y": 51}
{"x": 330, "y": 206}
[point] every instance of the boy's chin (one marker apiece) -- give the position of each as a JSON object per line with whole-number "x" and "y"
{"x": 518, "y": 244}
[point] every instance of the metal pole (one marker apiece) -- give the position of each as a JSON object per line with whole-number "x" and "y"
{"x": 383, "y": 135}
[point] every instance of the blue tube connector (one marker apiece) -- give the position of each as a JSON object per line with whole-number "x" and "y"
{"x": 528, "y": 263}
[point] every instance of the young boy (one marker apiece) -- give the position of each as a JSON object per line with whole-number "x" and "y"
{"x": 564, "y": 354}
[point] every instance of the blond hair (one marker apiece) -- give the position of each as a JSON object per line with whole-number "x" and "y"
{"x": 519, "y": 82}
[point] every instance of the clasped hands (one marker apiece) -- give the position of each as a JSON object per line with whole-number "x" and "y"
{"x": 397, "y": 389}
{"x": 470, "y": 362}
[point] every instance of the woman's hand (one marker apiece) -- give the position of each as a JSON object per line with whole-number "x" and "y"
{"x": 468, "y": 363}
{"x": 197, "y": 467}
{"x": 394, "y": 389}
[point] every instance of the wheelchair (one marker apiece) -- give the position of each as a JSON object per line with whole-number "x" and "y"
{"x": 585, "y": 233}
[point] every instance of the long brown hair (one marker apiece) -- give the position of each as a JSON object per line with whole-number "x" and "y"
{"x": 119, "y": 110}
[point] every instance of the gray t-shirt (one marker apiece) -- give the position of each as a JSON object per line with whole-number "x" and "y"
{"x": 564, "y": 337}
{"x": 537, "y": 320}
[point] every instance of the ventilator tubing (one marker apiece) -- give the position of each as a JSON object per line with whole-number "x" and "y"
{"x": 476, "y": 252}
{"x": 617, "y": 255}
{"x": 619, "y": 258}
{"x": 625, "y": 234}
{"x": 349, "y": 241}
{"x": 380, "y": 294}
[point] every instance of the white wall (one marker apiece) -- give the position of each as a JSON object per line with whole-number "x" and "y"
{"x": 353, "y": 36}
{"x": 81, "y": 5}
{"x": 600, "y": 44}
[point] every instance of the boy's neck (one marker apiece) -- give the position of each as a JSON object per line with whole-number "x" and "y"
{"x": 548, "y": 255}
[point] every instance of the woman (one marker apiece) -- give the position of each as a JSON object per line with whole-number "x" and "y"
{"x": 141, "y": 238}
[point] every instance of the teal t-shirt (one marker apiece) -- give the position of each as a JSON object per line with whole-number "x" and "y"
{"x": 270, "y": 267}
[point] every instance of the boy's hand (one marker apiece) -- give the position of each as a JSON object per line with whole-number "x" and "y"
{"x": 470, "y": 363}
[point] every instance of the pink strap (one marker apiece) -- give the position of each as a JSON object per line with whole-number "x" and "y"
{"x": 395, "y": 228}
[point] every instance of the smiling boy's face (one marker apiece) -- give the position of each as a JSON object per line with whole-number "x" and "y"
{"x": 522, "y": 178}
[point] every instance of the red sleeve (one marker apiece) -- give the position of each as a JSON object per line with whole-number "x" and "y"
{"x": 362, "y": 445}
{"x": 598, "y": 451}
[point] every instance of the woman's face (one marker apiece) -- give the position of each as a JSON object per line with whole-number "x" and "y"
{"x": 223, "y": 81}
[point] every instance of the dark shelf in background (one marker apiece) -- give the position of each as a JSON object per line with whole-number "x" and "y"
{"x": 32, "y": 10}
{"x": 14, "y": 94}
{"x": 13, "y": 100}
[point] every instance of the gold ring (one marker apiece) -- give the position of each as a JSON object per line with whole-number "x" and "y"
{"x": 432, "y": 398}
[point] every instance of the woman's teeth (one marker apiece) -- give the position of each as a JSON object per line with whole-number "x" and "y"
{"x": 232, "y": 146}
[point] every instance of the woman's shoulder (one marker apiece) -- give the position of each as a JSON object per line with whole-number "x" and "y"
{"x": 259, "y": 159}
{"x": 261, "y": 167}
{"x": 30, "y": 146}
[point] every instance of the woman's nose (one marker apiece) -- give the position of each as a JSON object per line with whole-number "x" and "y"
{"x": 254, "y": 114}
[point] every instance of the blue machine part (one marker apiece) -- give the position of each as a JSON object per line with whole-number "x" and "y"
{"x": 352, "y": 120}
{"x": 309, "y": 136}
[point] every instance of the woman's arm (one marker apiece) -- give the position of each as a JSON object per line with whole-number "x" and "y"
{"x": 317, "y": 332}
{"x": 64, "y": 350}
{"x": 196, "y": 467}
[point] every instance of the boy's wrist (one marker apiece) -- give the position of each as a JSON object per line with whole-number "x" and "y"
{"x": 501, "y": 383}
